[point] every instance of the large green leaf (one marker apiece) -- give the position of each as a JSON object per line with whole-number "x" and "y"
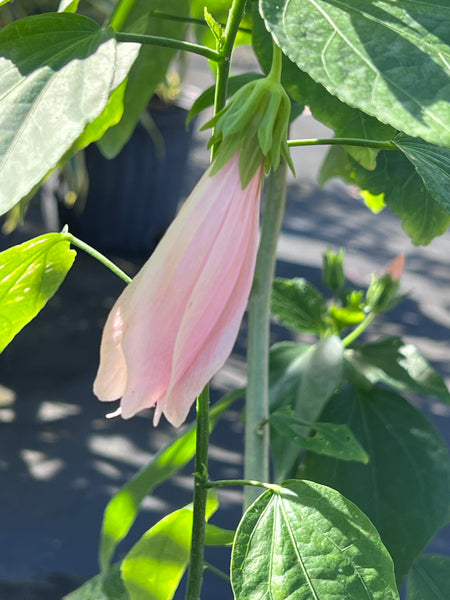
{"x": 57, "y": 73}
{"x": 429, "y": 578}
{"x": 30, "y": 274}
{"x": 398, "y": 365}
{"x": 390, "y": 59}
{"x": 432, "y": 163}
{"x": 299, "y": 305}
{"x": 305, "y": 541}
{"x": 324, "y": 438}
{"x": 343, "y": 119}
{"x": 150, "y": 66}
{"x": 405, "y": 487}
{"x": 153, "y": 568}
{"x": 401, "y": 187}
{"x": 123, "y": 508}
{"x": 106, "y": 586}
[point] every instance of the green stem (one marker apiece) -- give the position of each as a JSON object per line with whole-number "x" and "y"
{"x": 245, "y": 482}
{"x": 275, "y": 69}
{"x": 338, "y": 141}
{"x": 195, "y": 576}
{"x": 155, "y": 40}
{"x": 97, "y": 255}
{"x": 217, "y": 571}
{"x": 256, "y": 462}
{"x": 223, "y": 68}
{"x": 352, "y": 336}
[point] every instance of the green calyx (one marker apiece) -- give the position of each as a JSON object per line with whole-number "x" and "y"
{"x": 256, "y": 122}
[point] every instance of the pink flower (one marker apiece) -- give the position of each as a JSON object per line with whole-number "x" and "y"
{"x": 176, "y": 323}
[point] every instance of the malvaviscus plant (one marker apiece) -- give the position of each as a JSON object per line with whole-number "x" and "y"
{"x": 370, "y": 476}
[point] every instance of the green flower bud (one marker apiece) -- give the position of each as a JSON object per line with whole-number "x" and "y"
{"x": 255, "y": 121}
{"x": 382, "y": 293}
{"x": 333, "y": 272}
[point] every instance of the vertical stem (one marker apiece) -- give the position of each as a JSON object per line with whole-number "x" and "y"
{"x": 256, "y": 464}
{"x": 223, "y": 68}
{"x": 195, "y": 576}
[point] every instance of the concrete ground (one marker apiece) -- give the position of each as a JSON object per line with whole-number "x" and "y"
{"x": 61, "y": 460}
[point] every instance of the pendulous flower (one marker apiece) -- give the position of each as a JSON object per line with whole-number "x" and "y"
{"x": 176, "y": 323}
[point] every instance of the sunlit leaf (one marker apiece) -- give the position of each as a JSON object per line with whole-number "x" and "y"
{"x": 150, "y": 66}
{"x": 306, "y": 541}
{"x": 123, "y": 508}
{"x": 30, "y": 274}
{"x": 57, "y": 73}
{"x": 68, "y": 6}
{"x": 153, "y": 568}
{"x": 389, "y": 59}
{"x": 343, "y": 119}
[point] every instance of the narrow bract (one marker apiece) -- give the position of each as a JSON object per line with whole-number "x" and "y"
{"x": 176, "y": 323}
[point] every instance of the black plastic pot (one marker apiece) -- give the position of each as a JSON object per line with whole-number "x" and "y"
{"x": 133, "y": 198}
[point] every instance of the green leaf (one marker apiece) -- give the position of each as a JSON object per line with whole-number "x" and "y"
{"x": 30, "y": 274}
{"x": 217, "y": 536}
{"x": 405, "y": 487}
{"x": 398, "y": 365}
{"x": 343, "y": 119}
{"x": 219, "y": 9}
{"x": 70, "y": 6}
{"x": 150, "y": 66}
{"x": 57, "y": 73}
{"x": 299, "y": 305}
{"x": 389, "y": 59}
{"x": 106, "y": 586}
{"x": 153, "y": 568}
{"x": 324, "y": 438}
{"x": 2, "y": 2}
{"x": 432, "y": 163}
{"x": 123, "y": 508}
{"x": 429, "y": 578}
{"x": 305, "y": 541}
{"x": 402, "y": 187}
{"x": 302, "y": 379}
{"x": 206, "y": 99}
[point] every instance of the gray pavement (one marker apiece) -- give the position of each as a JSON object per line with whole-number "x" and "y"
{"x": 61, "y": 460}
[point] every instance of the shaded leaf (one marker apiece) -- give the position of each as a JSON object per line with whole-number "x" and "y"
{"x": 306, "y": 541}
{"x": 153, "y": 568}
{"x": 30, "y": 274}
{"x": 106, "y": 586}
{"x": 402, "y": 188}
{"x": 57, "y": 72}
{"x": 150, "y": 66}
{"x": 217, "y": 536}
{"x": 301, "y": 378}
{"x": 429, "y": 578}
{"x": 398, "y": 365}
{"x": 432, "y": 163}
{"x": 122, "y": 509}
{"x": 389, "y": 59}
{"x": 342, "y": 118}
{"x": 405, "y": 487}
{"x": 299, "y": 305}
{"x": 324, "y": 438}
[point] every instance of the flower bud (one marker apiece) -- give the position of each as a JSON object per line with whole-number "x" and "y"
{"x": 333, "y": 271}
{"x": 256, "y": 121}
{"x": 382, "y": 293}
